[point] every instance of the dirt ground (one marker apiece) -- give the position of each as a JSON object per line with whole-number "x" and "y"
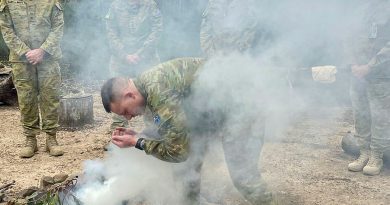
{"x": 305, "y": 166}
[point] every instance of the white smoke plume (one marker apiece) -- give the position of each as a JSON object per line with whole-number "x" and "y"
{"x": 126, "y": 175}
{"x": 304, "y": 33}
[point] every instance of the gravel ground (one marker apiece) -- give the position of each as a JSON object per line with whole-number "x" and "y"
{"x": 304, "y": 166}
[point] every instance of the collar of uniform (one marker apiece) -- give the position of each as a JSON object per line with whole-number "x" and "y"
{"x": 140, "y": 87}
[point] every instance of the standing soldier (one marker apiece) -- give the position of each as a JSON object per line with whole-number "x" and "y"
{"x": 230, "y": 25}
{"x": 180, "y": 36}
{"x": 134, "y": 28}
{"x": 33, "y": 30}
{"x": 370, "y": 93}
{"x": 233, "y": 26}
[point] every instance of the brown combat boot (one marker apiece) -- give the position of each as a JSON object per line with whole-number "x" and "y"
{"x": 30, "y": 148}
{"x": 375, "y": 164}
{"x": 52, "y": 145}
{"x": 359, "y": 163}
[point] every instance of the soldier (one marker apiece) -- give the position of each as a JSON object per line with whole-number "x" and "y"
{"x": 370, "y": 93}
{"x": 184, "y": 128}
{"x": 134, "y": 28}
{"x": 230, "y": 25}
{"x": 180, "y": 36}
{"x": 33, "y": 30}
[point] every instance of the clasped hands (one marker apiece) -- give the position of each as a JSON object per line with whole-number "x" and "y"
{"x": 133, "y": 59}
{"x": 35, "y": 56}
{"x": 124, "y": 137}
{"x": 360, "y": 71}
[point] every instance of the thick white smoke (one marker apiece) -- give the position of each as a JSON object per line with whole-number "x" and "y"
{"x": 126, "y": 175}
{"x": 303, "y": 33}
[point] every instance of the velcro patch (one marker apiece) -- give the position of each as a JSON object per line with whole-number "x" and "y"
{"x": 156, "y": 119}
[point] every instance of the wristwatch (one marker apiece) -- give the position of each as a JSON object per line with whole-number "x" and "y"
{"x": 140, "y": 143}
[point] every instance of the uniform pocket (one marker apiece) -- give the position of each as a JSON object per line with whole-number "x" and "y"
{"x": 48, "y": 69}
{"x": 21, "y": 71}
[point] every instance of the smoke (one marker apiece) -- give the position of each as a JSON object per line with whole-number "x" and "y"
{"x": 180, "y": 36}
{"x": 261, "y": 85}
{"x": 85, "y": 45}
{"x": 309, "y": 33}
{"x": 256, "y": 86}
{"x": 297, "y": 35}
{"x": 126, "y": 175}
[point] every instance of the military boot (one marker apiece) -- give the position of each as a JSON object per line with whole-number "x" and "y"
{"x": 375, "y": 164}
{"x": 30, "y": 148}
{"x": 52, "y": 145}
{"x": 266, "y": 198}
{"x": 359, "y": 163}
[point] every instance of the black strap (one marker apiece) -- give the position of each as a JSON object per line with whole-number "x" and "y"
{"x": 140, "y": 144}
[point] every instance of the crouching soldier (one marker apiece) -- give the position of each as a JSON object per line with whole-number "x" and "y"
{"x": 185, "y": 128}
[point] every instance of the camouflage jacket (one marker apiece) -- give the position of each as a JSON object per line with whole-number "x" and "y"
{"x": 133, "y": 28}
{"x": 374, "y": 46}
{"x": 165, "y": 87}
{"x": 228, "y": 25}
{"x": 27, "y": 25}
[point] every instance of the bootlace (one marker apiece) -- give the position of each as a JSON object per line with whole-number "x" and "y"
{"x": 30, "y": 142}
{"x": 374, "y": 160}
{"x": 363, "y": 157}
{"x": 51, "y": 141}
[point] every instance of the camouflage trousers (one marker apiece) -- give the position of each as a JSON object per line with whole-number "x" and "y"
{"x": 242, "y": 154}
{"x": 38, "y": 96}
{"x": 371, "y": 109}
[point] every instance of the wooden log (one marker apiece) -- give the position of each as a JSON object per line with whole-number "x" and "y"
{"x": 76, "y": 111}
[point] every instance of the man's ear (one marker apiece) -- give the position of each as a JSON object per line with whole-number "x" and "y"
{"x": 129, "y": 94}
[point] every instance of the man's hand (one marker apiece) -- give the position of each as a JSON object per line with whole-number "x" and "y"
{"x": 360, "y": 71}
{"x": 124, "y": 137}
{"x": 132, "y": 59}
{"x": 35, "y": 56}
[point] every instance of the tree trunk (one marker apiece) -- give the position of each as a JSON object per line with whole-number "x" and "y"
{"x": 76, "y": 111}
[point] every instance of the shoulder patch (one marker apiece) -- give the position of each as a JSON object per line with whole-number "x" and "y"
{"x": 156, "y": 119}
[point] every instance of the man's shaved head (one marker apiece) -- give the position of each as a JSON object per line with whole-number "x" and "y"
{"x": 111, "y": 91}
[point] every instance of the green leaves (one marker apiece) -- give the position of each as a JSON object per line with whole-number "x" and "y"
{"x": 44, "y": 199}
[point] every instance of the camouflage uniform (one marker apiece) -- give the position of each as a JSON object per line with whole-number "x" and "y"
{"x": 28, "y": 25}
{"x": 185, "y": 130}
{"x": 229, "y": 25}
{"x": 233, "y": 26}
{"x": 371, "y": 96}
{"x": 133, "y": 27}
